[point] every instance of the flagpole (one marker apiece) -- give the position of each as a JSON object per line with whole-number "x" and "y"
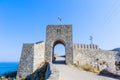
{"x": 59, "y": 19}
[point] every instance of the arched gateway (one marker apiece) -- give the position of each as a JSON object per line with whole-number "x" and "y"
{"x": 59, "y": 34}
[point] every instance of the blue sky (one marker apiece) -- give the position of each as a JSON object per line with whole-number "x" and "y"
{"x": 24, "y": 21}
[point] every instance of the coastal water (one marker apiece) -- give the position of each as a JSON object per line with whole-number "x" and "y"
{"x": 6, "y": 67}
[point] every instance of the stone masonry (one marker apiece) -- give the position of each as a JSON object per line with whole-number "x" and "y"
{"x": 91, "y": 54}
{"x": 34, "y": 54}
{"x": 59, "y": 34}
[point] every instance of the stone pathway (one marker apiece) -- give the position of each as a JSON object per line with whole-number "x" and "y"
{"x": 70, "y": 73}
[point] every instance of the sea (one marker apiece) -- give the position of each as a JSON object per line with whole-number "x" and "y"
{"x": 6, "y": 67}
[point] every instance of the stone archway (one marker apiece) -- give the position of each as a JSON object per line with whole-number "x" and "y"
{"x": 59, "y": 34}
{"x": 54, "y": 60}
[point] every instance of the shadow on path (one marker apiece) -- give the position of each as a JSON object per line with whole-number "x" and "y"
{"x": 59, "y": 62}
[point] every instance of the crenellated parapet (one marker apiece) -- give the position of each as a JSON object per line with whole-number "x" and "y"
{"x": 85, "y": 46}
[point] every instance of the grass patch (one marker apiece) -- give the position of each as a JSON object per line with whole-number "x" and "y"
{"x": 87, "y": 67}
{"x": 75, "y": 65}
{"x": 90, "y": 68}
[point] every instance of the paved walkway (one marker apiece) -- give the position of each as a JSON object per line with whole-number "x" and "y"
{"x": 70, "y": 73}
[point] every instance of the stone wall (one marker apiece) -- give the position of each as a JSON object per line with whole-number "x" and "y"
{"x": 39, "y": 53}
{"x": 26, "y": 61}
{"x": 31, "y": 58}
{"x": 34, "y": 54}
{"x": 52, "y": 73}
{"x": 96, "y": 57}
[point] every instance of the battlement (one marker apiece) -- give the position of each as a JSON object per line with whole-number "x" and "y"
{"x": 85, "y": 46}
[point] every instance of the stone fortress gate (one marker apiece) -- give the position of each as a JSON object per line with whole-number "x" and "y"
{"x": 59, "y": 34}
{"x": 34, "y": 54}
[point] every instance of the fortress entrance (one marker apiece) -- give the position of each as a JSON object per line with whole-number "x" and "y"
{"x": 59, "y": 34}
{"x": 59, "y": 52}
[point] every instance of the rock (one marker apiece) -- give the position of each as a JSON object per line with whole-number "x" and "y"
{"x": 110, "y": 73}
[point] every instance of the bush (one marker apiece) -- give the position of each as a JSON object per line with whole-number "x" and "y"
{"x": 10, "y": 74}
{"x": 90, "y": 68}
{"x": 75, "y": 65}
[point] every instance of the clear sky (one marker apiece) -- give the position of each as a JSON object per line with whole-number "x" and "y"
{"x": 24, "y": 21}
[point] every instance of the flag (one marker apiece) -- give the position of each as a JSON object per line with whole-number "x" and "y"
{"x": 60, "y": 19}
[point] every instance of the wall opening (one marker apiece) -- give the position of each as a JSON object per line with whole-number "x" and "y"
{"x": 58, "y": 56}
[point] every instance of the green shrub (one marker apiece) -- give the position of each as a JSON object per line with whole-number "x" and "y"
{"x": 10, "y": 74}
